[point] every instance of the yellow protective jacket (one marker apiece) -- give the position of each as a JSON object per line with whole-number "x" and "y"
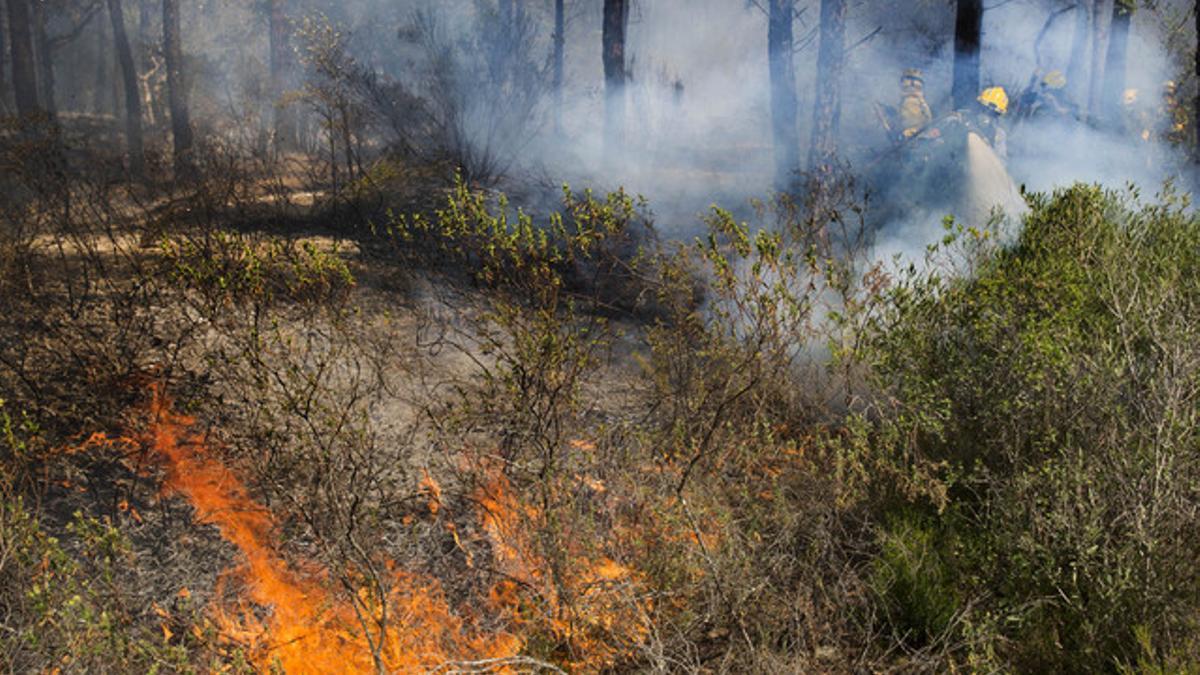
{"x": 914, "y": 114}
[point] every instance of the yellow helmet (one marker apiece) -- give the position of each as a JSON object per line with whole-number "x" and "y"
{"x": 995, "y": 99}
{"x": 1129, "y": 97}
{"x": 1055, "y": 79}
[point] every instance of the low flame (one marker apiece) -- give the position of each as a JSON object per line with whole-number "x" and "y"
{"x": 591, "y": 613}
{"x": 593, "y": 610}
{"x": 308, "y": 629}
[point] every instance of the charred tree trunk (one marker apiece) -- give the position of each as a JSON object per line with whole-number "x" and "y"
{"x": 1114, "y": 69}
{"x": 3, "y": 56}
{"x": 181, "y": 124}
{"x": 1100, "y": 12}
{"x": 1078, "y": 62}
{"x": 783, "y": 91}
{"x": 560, "y": 44}
{"x": 24, "y": 66}
{"x": 133, "y": 98}
{"x": 827, "y": 112}
{"x": 968, "y": 37}
{"x": 283, "y": 117}
{"x": 616, "y": 13}
{"x": 45, "y": 60}
{"x": 145, "y": 36}
{"x": 502, "y": 47}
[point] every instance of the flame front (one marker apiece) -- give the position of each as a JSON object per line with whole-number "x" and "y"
{"x": 308, "y": 629}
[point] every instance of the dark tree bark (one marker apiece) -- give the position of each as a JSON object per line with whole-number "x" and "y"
{"x": 283, "y": 117}
{"x": 616, "y": 14}
{"x": 783, "y": 91}
{"x": 827, "y": 112}
{"x": 3, "y": 55}
{"x": 133, "y": 98}
{"x": 45, "y": 60}
{"x": 145, "y": 38}
{"x": 1114, "y": 69}
{"x": 24, "y": 66}
{"x": 968, "y": 34}
{"x": 177, "y": 103}
{"x": 560, "y": 43}
{"x": 1196, "y": 104}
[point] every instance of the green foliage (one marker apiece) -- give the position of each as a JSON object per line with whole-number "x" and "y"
{"x": 230, "y": 268}
{"x": 913, "y": 582}
{"x": 1057, "y": 384}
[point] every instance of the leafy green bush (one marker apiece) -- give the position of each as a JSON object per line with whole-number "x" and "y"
{"x": 913, "y": 582}
{"x": 1057, "y": 387}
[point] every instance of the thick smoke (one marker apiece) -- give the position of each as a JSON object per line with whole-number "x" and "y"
{"x": 698, "y": 128}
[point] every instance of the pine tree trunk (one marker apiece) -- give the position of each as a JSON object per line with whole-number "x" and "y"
{"x": 560, "y": 43}
{"x": 968, "y": 33}
{"x": 3, "y": 57}
{"x": 181, "y": 125}
{"x": 1114, "y": 69}
{"x": 45, "y": 60}
{"x": 1100, "y": 21}
{"x": 827, "y": 111}
{"x": 133, "y": 98}
{"x": 283, "y": 117}
{"x": 503, "y": 46}
{"x": 145, "y": 38}
{"x": 783, "y": 91}
{"x": 616, "y": 12}
{"x": 24, "y": 67}
{"x": 1078, "y": 63}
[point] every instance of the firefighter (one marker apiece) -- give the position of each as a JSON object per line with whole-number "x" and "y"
{"x": 1135, "y": 117}
{"x": 913, "y": 112}
{"x": 1045, "y": 100}
{"x": 993, "y": 105}
{"x": 1172, "y": 117}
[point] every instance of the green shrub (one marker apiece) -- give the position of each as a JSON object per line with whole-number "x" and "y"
{"x": 1058, "y": 385}
{"x": 912, "y": 581}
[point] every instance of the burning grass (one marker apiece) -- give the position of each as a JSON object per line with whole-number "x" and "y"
{"x": 285, "y": 616}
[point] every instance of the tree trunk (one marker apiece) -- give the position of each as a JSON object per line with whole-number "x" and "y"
{"x": 1114, "y": 69}
{"x": 502, "y": 48}
{"x": 1196, "y": 105}
{"x": 560, "y": 43}
{"x": 968, "y": 33}
{"x": 1078, "y": 62}
{"x": 827, "y": 112}
{"x": 145, "y": 38}
{"x": 44, "y": 58}
{"x": 1100, "y": 12}
{"x": 783, "y": 91}
{"x": 283, "y": 117}
{"x": 146, "y": 64}
{"x": 24, "y": 68}
{"x": 616, "y": 13}
{"x": 133, "y": 98}
{"x": 3, "y": 57}
{"x": 181, "y": 125}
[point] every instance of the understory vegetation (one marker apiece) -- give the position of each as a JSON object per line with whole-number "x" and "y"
{"x": 551, "y": 440}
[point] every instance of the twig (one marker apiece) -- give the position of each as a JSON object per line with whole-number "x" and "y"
{"x": 496, "y": 665}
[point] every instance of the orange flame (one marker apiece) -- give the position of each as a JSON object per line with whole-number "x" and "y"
{"x": 308, "y": 629}
{"x": 593, "y": 609}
